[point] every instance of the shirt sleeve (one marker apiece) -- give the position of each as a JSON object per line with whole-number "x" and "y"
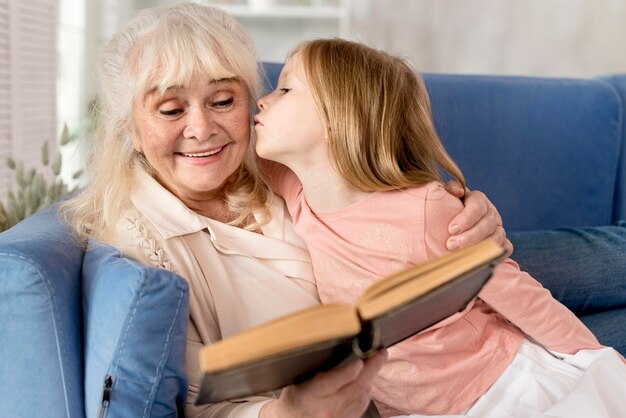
{"x": 440, "y": 207}
{"x": 524, "y": 302}
{"x": 514, "y": 294}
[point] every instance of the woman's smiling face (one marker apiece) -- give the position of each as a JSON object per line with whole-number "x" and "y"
{"x": 194, "y": 136}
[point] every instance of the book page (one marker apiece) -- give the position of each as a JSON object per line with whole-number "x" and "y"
{"x": 294, "y": 331}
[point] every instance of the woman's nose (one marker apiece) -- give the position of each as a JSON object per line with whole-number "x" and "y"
{"x": 200, "y": 125}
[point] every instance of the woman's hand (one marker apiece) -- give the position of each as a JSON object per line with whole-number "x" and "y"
{"x": 478, "y": 221}
{"x": 343, "y": 392}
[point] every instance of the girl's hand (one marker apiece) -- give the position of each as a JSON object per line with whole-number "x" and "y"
{"x": 478, "y": 221}
{"x": 343, "y": 392}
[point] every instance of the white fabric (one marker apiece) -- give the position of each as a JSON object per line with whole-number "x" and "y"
{"x": 540, "y": 384}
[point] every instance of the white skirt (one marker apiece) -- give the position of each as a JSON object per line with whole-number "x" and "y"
{"x": 538, "y": 383}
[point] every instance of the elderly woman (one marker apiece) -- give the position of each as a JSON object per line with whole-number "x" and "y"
{"x": 175, "y": 184}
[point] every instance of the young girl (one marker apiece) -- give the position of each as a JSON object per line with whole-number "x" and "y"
{"x": 354, "y": 128}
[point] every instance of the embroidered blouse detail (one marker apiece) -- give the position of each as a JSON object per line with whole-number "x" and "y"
{"x": 148, "y": 244}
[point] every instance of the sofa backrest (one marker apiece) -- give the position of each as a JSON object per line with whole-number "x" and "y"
{"x": 545, "y": 150}
{"x": 618, "y": 82}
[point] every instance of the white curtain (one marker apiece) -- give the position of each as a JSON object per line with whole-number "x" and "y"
{"x": 27, "y": 82}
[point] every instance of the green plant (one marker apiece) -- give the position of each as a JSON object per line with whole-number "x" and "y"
{"x": 36, "y": 188}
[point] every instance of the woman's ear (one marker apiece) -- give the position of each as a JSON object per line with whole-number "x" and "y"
{"x": 134, "y": 136}
{"x": 136, "y": 143}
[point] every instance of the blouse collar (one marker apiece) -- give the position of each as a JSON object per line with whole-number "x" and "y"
{"x": 150, "y": 198}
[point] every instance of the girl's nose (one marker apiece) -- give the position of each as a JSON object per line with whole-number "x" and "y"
{"x": 262, "y": 103}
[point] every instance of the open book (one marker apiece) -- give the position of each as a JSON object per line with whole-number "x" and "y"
{"x": 293, "y": 348}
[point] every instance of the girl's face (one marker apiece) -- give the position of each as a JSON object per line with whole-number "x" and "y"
{"x": 288, "y": 127}
{"x": 194, "y": 136}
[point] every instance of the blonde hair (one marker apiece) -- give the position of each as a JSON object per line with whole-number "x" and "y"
{"x": 377, "y": 115}
{"x": 160, "y": 47}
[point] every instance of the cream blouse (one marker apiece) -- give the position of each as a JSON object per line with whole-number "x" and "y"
{"x": 237, "y": 278}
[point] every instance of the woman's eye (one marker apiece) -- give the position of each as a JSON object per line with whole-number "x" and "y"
{"x": 224, "y": 103}
{"x": 170, "y": 112}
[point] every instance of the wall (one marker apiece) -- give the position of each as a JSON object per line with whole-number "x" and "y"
{"x": 526, "y": 37}
{"x": 531, "y": 37}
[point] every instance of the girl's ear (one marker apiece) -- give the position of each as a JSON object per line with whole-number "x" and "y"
{"x": 328, "y": 137}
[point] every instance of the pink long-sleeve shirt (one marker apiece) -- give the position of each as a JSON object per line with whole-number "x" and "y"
{"x": 446, "y": 368}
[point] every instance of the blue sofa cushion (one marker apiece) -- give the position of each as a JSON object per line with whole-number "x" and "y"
{"x": 135, "y": 332}
{"x": 40, "y": 319}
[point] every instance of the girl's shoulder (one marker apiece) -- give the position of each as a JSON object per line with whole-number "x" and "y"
{"x": 433, "y": 197}
{"x": 433, "y": 190}
{"x": 411, "y": 199}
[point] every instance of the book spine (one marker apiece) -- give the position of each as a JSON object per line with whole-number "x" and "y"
{"x": 367, "y": 342}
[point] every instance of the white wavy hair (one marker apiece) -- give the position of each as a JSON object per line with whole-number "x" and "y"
{"x": 157, "y": 48}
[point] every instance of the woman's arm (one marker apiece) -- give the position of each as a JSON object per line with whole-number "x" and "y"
{"x": 479, "y": 220}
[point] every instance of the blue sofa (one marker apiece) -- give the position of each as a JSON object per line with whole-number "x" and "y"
{"x": 89, "y": 332}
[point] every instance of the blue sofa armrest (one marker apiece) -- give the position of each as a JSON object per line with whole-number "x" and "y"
{"x": 135, "y": 335}
{"x": 41, "y": 373}
{"x": 58, "y": 302}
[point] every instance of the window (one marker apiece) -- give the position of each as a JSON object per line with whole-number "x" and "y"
{"x": 71, "y": 91}
{"x": 27, "y": 81}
